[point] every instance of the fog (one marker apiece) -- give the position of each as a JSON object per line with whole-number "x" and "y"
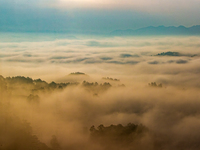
{"x": 53, "y": 91}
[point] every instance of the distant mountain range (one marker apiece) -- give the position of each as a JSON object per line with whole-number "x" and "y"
{"x": 160, "y": 30}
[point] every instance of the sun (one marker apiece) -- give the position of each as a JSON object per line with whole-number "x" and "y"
{"x": 84, "y": 3}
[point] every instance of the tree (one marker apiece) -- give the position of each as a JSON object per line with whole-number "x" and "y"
{"x": 54, "y": 143}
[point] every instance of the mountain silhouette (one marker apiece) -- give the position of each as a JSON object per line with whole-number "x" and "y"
{"x": 160, "y": 30}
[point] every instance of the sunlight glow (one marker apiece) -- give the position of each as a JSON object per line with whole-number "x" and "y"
{"x": 84, "y": 3}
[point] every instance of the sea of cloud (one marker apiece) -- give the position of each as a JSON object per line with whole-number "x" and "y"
{"x": 171, "y": 111}
{"x": 125, "y": 57}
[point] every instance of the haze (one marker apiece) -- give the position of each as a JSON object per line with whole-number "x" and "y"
{"x": 99, "y": 75}
{"x": 153, "y": 81}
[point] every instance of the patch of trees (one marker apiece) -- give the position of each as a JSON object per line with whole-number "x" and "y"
{"x": 40, "y": 83}
{"x": 60, "y": 86}
{"x": 33, "y": 87}
{"x": 96, "y": 87}
{"x": 88, "y": 84}
{"x": 111, "y": 79}
{"x": 17, "y": 135}
{"x": 33, "y": 98}
{"x": 138, "y": 137}
{"x": 169, "y": 54}
{"x": 77, "y": 73}
{"x": 104, "y": 85}
{"x": 154, "y": 84}
{"x": 118, "y": 136}
{"x": 54, "y": 143}
{"x": 126, "y": 55}
{"x": 175, "y": 54}
{"x": 19, "y": 79}
{"x": 3, "y": 85}
{"x": 30, "y": 84}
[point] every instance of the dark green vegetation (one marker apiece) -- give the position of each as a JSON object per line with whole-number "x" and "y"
{"x": 154, "y": 84}
{"x": 35, "y": 85}
{"x": 21, "y": 86}
{"x": 169, "y": 54}
{"x": 96, "y": 88}
{"x": 111, "y": 79}
{"x": 77, "y": 73}
{"x": 119, "y": 136}
{"x": 37, "y": 115}
{"x": 128, "y": 55}
{"x": 175, "y": 54}
{"x": 136, "y": 137}
{"x": 16, "y": 134}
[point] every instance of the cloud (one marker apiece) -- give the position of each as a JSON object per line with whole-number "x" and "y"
{"x": 27, "y": 55}
{"x": 171, "y": 113}
{"x": 106, "y": 58}
{"x": 76, "y": 54}
{"x": 6, "y": 55}
{"x": 128, "y": 55}
{"x": 126, "y": 62}
{"x": 125, "y": 55}
{"x": 99, "y": 44}
{"x": 180, "y": 61}
{"x": 60, "y": 57}
{"x": 153, "y": 62}
{"x": 142, "y": 5}
{"x": 25, "y": 60}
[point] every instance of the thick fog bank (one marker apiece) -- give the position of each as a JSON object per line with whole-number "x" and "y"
{"x": 100, "y": 93}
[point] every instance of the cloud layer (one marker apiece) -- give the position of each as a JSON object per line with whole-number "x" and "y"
{"x": 171, "y": 113}
{"x": 140, "y": 54}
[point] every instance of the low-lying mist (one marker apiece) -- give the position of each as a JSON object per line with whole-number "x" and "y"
{"x": 102, "y": 94}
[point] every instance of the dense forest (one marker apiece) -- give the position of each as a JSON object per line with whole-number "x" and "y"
{"x": 38, "y": 115}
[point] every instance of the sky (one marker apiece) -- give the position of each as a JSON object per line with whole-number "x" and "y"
{"x": 95, "y": 16}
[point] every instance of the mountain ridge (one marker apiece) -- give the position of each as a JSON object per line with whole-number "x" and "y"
{"x": 159, "y": 30}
